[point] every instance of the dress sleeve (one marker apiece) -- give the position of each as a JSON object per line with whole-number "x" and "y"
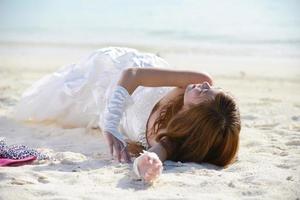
{"x": 114, "y": 110}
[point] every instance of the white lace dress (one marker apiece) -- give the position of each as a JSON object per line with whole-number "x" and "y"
{"x": 76, "y": 95}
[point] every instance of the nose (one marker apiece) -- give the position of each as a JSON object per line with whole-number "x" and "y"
{"x": 205, "y": 85}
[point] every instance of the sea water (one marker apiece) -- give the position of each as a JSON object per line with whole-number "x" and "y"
{"x": 258, "y": 27}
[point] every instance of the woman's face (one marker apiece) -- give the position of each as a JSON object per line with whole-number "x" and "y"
{"x": 197, "y": 93}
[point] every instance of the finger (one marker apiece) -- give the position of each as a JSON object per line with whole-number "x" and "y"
{"x": 109, "y": 139}
{"x": 153, "y": 171}
{"x": 119, "y": 156}
{"x": 150, "y": 161}
{"x": 125, "y": 155}
{"x": 128, "y": 157}
{"x": 157, "y": 165}
{"x": 118, "y": 152}
{"x": 156, "y": 161}
{"x": 117, "y": 148}
{"x": 122, "y": 153}
{"x": 146, "y": 176}
{"x": 150, "y": 173}
{"x": 153, "y": 175}
{"x": 144, "y": 158}
{"x": 111, "y": 148}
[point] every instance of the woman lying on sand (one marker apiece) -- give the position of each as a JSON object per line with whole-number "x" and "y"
{"x": 144, "y": 108}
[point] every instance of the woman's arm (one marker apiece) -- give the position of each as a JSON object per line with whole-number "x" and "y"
{"x": 160, "y": 151}
{"x": 132, "y": 77}
{"x": 149, "y": 165}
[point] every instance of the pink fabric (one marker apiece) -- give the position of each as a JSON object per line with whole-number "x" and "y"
{"x": 15, "y": 162}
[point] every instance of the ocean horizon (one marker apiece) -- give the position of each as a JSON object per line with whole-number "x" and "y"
{"x": 256, "y": 28}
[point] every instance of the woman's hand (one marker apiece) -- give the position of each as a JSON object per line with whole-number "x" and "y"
{"x": 149, "y": 167}
{"x": 117, "y": 146}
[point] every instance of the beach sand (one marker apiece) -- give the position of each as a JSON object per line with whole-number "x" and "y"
{"x": 268, "y": 164}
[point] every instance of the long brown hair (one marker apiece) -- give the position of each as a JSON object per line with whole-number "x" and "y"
{"x": 206, "y": 132}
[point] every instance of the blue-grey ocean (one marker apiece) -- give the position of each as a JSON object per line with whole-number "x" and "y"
{"x": 268, "y": 27}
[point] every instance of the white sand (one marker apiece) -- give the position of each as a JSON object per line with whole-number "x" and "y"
{"x": 267, "y": 90}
